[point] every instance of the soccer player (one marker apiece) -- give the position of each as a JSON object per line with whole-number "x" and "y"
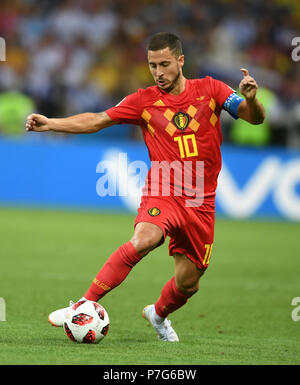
{"x": 180, "y": 121}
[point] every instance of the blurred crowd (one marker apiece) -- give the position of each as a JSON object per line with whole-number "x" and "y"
{"x": 72, "y": 56}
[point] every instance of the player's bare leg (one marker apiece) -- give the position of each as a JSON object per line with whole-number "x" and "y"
{"x": 187, "y": 275}
{"x": 146, "y": 237}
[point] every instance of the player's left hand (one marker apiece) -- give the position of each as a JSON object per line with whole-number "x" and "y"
{"x": 248, "y": 85}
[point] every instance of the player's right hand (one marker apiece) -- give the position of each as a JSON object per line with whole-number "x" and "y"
{"x": 37, "y": 122}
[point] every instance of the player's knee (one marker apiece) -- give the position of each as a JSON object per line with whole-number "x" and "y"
{"x": 146, "y": 237}
{"x": 188, "y": 288}
{"x": 144, "y": 244}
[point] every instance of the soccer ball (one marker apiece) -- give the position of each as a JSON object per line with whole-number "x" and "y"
{"x": 86, "y": 322}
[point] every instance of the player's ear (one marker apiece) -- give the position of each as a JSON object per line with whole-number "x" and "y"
{"x": 181, "y": 60}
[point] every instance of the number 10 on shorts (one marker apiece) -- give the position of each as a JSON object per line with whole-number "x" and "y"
{"x": 206, "y": 258}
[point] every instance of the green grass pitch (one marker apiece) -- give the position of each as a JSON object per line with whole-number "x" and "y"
{"x": 241, "y": 314}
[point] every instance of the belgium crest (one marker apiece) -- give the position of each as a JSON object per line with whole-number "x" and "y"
{"x": 154, "y": 211}
{"x": 181, "y": 120}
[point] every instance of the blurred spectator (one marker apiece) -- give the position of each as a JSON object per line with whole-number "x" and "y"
{"x": 14, "y": 109}
{"x": 70, "y": 56}
{"x": 244, "y": 133}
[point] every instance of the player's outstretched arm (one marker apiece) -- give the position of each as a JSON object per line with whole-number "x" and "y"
{"x": 88, "y": 122}
{"x": 250, "y": 109}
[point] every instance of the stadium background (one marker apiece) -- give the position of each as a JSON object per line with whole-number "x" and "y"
{"x": 67, "y": 57}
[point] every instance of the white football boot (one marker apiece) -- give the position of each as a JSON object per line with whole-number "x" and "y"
{"x": 164, "y": 330}
{"x": 56, "y": 318}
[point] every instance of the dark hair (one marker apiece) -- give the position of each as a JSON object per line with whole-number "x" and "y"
{"x": 163, "y": 40}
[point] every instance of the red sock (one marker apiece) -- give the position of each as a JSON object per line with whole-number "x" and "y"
{"x": 113, "y": 272}
{"x": 170, "y": 299}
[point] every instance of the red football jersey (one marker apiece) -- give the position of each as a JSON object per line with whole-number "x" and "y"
{"x": 182, "y": 131}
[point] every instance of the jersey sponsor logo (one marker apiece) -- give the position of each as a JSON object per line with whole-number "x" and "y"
{"x": 181, "y": 120}
{"x": 154, "y": 211}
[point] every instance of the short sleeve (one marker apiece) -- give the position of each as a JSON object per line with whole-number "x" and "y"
{"x": 220, "y": 91}
{"x": 226, "y": 97}
{"x": 127, "y": 111}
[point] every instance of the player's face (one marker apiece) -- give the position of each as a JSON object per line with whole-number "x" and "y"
{"x": 165, "y": 68}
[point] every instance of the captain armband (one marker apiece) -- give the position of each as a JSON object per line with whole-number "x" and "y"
{"x": 232, "y": 103}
